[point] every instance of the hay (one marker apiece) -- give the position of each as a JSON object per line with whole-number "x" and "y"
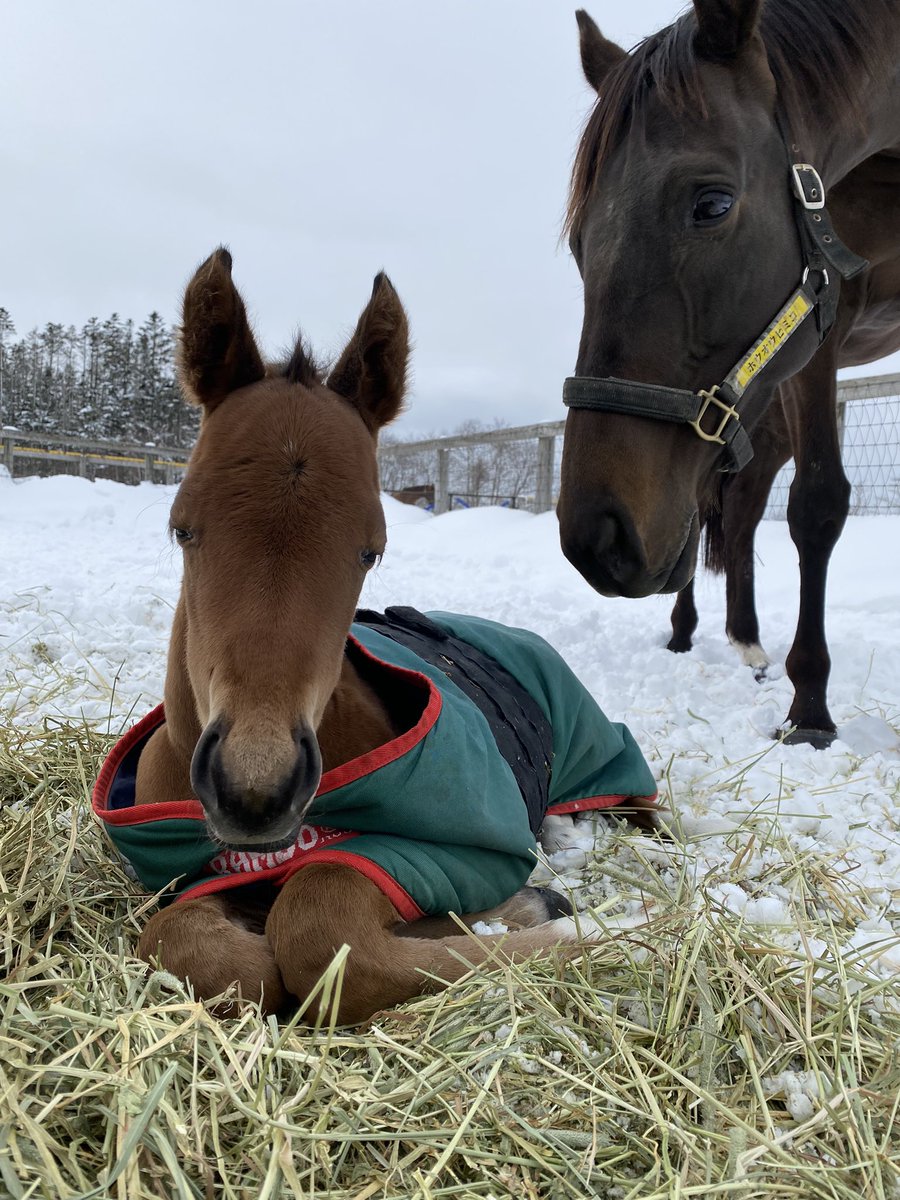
{"x": 694, "y": 1055}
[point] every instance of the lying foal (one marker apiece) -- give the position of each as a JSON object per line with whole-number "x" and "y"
{"x": 316, "y": 780}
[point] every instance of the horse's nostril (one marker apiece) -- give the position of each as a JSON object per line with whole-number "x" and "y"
{"x": 605, "y": 534}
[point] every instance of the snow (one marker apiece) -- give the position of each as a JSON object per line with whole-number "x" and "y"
{"x": 90, "y": 579}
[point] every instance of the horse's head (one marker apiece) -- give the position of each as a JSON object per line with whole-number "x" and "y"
{"x": 682, "y": 224}
{"x": 279, "y": 519}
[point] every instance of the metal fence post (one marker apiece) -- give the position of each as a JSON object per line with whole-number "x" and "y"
{"x": 83, "y": 466}
{"x": 442, "y": 483}
{"x": 147, "y": 472}
{"x": 543, "y": 492}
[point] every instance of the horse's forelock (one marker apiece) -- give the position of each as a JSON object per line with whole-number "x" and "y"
{"x": 821, "y": 52}
{"x": 664, "y": 62}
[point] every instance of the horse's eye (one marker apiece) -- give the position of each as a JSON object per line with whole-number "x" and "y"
{"x": 711, "y": 205}
{"x": 369, "y": 558}
{"x": 182, "y": 535}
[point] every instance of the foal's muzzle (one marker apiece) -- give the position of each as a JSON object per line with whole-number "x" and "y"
{"x": 248, "y": 816}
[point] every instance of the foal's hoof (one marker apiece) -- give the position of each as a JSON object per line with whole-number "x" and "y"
{"x": 819, "y": 739}
{"x": 555, "y": 904}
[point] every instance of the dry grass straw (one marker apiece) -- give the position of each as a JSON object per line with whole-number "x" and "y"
{"x": 663, "y": 1063}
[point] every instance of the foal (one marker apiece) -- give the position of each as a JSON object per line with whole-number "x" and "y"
{"x": 279, "y": 519}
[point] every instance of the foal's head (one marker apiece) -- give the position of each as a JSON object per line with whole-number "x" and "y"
{"x": 279, "y": 519}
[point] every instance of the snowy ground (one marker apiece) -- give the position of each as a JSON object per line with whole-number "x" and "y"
{"x": 89, "y": 581}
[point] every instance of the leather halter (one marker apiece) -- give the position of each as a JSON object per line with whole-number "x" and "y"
{"x": 714, "y": 414}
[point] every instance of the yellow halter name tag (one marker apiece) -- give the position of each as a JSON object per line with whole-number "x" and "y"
{"x": 790, "y": 317}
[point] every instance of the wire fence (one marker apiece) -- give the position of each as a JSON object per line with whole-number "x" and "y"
{"x": 870, "y": 448}
{"x": 519, "y": 467}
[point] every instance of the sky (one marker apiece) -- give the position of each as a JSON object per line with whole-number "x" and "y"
{"x": 321, "y": 142}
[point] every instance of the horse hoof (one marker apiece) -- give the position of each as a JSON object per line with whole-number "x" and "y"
{"x": 819, "y": 739}
{"x": 679, "y": 645}
{"x": 761, "y": 674}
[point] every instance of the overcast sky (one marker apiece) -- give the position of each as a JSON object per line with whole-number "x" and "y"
{"x": 321, "y": 141}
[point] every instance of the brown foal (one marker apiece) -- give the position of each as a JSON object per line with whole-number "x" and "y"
{"x": 279, "y": 518}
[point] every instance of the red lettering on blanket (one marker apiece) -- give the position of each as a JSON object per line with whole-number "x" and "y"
{"x": 310, "y": 837}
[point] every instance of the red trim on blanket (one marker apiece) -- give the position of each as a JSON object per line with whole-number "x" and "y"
{"x": 365, "y": 764}
{"x": 192, "y": 810}
{"x": 398, "y": 896}
{"x": 591, "y": 802}
{"x": 138, "y": 814}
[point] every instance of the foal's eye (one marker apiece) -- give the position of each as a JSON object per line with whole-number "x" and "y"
{"x": 182, "y": 535}
{"x": 711, "y": 205}
{"x": 369, "y": 558}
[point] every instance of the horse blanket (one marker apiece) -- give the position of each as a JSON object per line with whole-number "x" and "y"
{"x": 436, "y": 817}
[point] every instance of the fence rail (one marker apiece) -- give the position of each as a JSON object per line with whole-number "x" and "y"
{"x": 517, "y": 466}
{"x": 447, "y": 470}
{"x": 56, "y": 450}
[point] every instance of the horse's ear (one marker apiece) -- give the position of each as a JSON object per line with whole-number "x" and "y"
{"x": 217, "y": 353}
{"x": 724, "y": 27}
{"x": 598, "y": 54}
{"x": 371, "y": 372}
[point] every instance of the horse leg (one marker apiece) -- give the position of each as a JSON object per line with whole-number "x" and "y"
{"x": 324, "y": 907}
{"x": 213, "y": 942}
{"x": 744, "y": 499}
{"x": 817, "y": 509}
{"x": 684, "y": 620}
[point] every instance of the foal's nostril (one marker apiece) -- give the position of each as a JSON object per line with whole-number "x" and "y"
{"x": 308, "y": 770}
{"x": 206, "y": 770}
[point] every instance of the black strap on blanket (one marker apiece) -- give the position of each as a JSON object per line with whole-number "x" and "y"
{"x": 522, "y": 732}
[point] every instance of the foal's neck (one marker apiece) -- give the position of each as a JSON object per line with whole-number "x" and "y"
{"x": 355, "y": 720}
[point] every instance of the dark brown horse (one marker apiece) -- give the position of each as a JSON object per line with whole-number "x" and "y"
{"x": 731, "y": 519}
{"x": 279, "y": 518}
{"x": 712, "y": 275}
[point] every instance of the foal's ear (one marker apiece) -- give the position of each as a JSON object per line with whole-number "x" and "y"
{"x": 598, "y": 54}
{"x": 371, "y": 372}
{"x": 217, "y": 353}
{"x": 724, "y": 27}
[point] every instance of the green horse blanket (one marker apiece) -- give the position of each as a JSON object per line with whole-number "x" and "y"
{"x": 435, "y": 817}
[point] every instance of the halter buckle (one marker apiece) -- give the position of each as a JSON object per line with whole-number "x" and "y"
{"x": 808, "y": 186}
{"x": 728, "y": 411}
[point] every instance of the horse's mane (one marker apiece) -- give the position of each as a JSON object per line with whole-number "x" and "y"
{"x": 821, "y": 53}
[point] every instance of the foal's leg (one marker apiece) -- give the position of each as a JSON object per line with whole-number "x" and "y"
{"x": 210, "y": 942}
{"x": 530, "y": 906}
{"x": 322, "y": 908}
{"x": 817, "y": 509}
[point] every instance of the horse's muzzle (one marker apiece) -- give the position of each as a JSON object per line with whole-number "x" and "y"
{"x": 606, "y": 548}
{"x": 246, "y": 815}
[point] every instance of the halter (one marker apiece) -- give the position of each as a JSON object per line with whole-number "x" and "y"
{"x": 818, "y": 292}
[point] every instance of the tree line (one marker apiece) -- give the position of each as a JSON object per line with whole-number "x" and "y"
{"x": 110, "y": 379}
{"x": 115, "y": 380}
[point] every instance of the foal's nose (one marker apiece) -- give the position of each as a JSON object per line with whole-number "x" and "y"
{"x": 255, "y": 796}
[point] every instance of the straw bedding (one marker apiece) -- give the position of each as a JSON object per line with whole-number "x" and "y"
{"x": 688, "y": 1055}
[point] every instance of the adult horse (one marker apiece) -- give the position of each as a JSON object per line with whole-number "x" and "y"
{"x": 712, "y": 275}
{"x": 315, "y": 781}
{"x": 730, "y": 520}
